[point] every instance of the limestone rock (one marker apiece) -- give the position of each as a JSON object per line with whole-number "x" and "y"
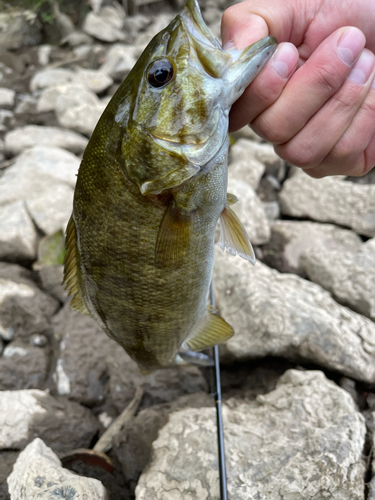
{"x": 7, "y": 121}
{"x": 106, "y": 25}
{"x": 302, "y": 441}
{"x": 284, "y": 315}
{"x": 50, "y": 205}
{"x": 331, "y": 199}
{"x": 38, "y": 473}
{"x": 42, "y": 177}
{"x": 250, "y": 211}
{"x": 7, "y": 98}
{"x": 19, "y": 29}
{"x": 349, "y": 276}
{"x": 23, "y": 366}
{"x": 51, "y": 278}
{"x": 119, "y": 61}
{"x": 36, "y": 163}
{"x": 24, "y": 308}
{"x": 95, "y": 80}
{"x": 29, "y": 136}
{"x": 290, "y": 238}
{"x": 81, "y": 370}
{"x": 17, "y": 233}
{"x": 82, "y": 118}
{"x": 243, "y": 166}
{"x": 62, "y": 424}
{"x": 133, "y": 445}
{"x": 51, "y": 77}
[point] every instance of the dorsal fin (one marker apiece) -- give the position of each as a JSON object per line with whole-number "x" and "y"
{"x": 70, "y": 270}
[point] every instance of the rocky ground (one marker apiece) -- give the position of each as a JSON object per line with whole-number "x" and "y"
{"x": 299, "y": 375}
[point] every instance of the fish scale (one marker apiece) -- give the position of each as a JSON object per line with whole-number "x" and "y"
{"x": 150, "y": 190}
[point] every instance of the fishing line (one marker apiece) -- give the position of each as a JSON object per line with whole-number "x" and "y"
{"x": 219, "y": 415}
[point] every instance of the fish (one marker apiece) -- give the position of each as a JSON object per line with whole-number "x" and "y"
{"x": 150, "y": 190}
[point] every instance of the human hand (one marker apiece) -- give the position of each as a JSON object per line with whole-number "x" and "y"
{"x": 316, "y": 102}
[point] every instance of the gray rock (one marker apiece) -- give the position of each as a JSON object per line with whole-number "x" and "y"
{"x": 107, "y": 25}
{"x": 77, "y": 39}
{"x": 284, "y": 315}
{"x": 26, "y": 105}
{"x": 23, "y": 366}
{"x": 157, "y": 24}
{"x": 19, "y": 29}
{"x": 7, "y": 98}
{"x": 243, "y": 166}
{"x": 62, "y": 424}
{"x": 82, "y": 118}
{"x": 29, "y": 136}
{"x": 331, "y": 199}
{"x": 289, "y": 239}
{"x": 42, "y": 177}
{"x": 38, "y": 162}
{"x": 133, "y": 445}
{"x": 6, "y": 120}
{"x": 119, "y": 61}
{"x": 272, "y": 210}
{"x": 348, "y": 276}
{"x": 44, "y": 52}
{"x": 81, "y": 370}
{"x": 50, "y": 205}
{"x": 369, "y": 246}
{"x": 250, "y": 211}
{"x": 38, "y": 473}
{"x": 302, "y": 441}
{"x": 17, "y": 233}
{"x": 95, "y": 80}
{"x": 51, "y": 278}
{"x": 50, "y": 77}
{"x": 24, "y": 309}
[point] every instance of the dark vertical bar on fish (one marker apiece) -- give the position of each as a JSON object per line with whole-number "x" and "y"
{"x": 219, "y": 415}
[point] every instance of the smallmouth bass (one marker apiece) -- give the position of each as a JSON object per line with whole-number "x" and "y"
{"x": 150, "y": 190}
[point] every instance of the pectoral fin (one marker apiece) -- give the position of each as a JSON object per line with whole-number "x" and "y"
{"x": 173, "y": 238}
{"x": 212, "y": 330}
{"x": 233, "y": 236}
{"x": 70, "y": 270}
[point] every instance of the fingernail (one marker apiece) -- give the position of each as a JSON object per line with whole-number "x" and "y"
{"x": 363, "y": 67}
{"x": 350, "y": 45}
{"x": 228, "y": 45}
{"x": 284, "y": 60}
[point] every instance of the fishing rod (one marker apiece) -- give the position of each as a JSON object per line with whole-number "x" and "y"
{"x": 219, "y": 414}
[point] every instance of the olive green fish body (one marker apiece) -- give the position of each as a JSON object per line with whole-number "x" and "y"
{"x": 150, "y": 190}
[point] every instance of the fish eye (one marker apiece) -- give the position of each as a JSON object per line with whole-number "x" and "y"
{"x": 160, "y": 73}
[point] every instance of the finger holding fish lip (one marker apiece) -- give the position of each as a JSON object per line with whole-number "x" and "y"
{"x": 266, "y": 88}
{"x": 311, "y": 86}
{"x": 313, "y": 143}
{"x": 354, "y": 152}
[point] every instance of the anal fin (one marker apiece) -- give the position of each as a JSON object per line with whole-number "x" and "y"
{"x": 70, "y": 270}
{"x": 233, "y": 236}
{"x": 173, "y": 239}
{"x": 212, "y": 330}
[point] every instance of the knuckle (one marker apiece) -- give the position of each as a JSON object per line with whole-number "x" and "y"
{"x": 327, "y": 77}
{"x": 270, "y": 129}
{"x": 297, "y": 155}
